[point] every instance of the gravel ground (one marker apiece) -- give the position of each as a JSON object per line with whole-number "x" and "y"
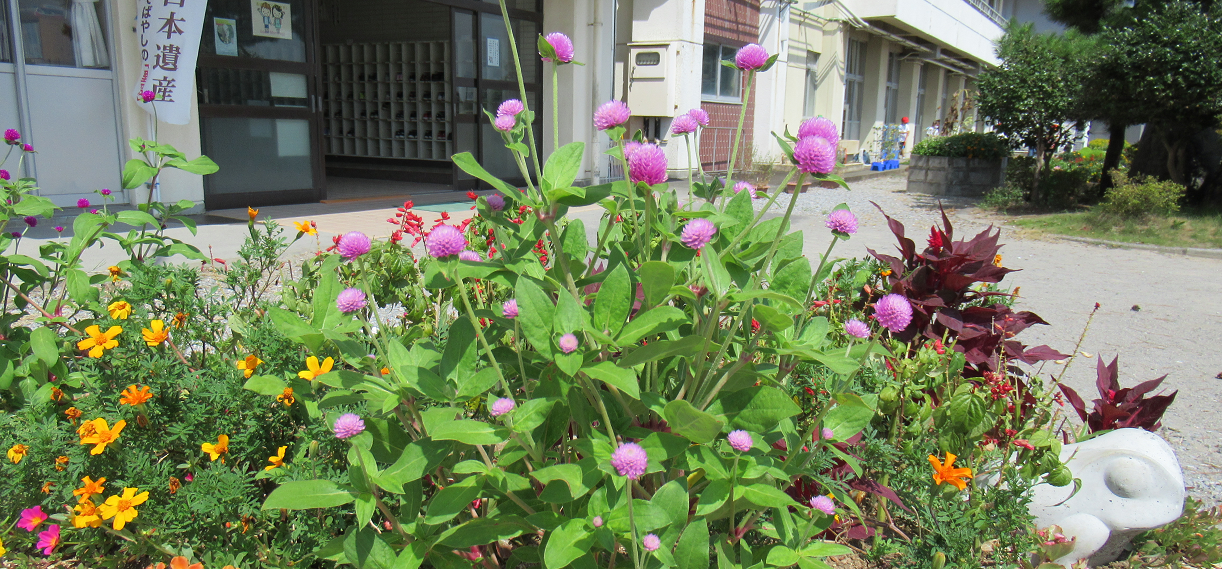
{"x": 1142, "y": 319}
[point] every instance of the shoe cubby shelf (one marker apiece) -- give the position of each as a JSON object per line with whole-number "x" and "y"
{"x": 388, "y": 100}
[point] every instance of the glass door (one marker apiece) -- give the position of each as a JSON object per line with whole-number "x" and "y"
{"x": 259, "y": 113}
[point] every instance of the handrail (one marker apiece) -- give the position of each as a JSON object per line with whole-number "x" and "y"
{"x": 988, "y": 11}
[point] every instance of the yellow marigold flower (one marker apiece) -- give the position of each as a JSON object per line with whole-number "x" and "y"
{"x": 86, "y": 429}
{"x": 73, "y": 414}
{"x": 180, "y": 319}
{"x": 175, "y": 484}
{"x": 249, "y": 364}
{"x": 276, "y": 461}
{"x": 60, "y": 463}
{"x": 102, "y": 434}
{"x": 948, "y": 473}
{"x": 217, "y": 450}
{"x": 46, "y": 487}
{"x": 135, "y": 395}
{"x": 18, "y": 452}
{"x": 119, "y": 309}
{"x": 2, "y": 549}
{"x": 313, "y": 369}
{"x": 252, "y": 212}
{"x": 97, "y": 343}
{"x": 306, "y": 227}
{"x": 156, "y": 335}
{"x": 87, "y": 515}
{"x": 287, "y": 397}
{"x": 115, "y": 272}
{"x": 123, "y": 508}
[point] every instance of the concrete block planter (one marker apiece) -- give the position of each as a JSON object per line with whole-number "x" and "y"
{"x": 945, "y": 176}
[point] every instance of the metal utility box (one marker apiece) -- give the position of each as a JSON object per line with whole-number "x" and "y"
{"x": 651, "y": 82}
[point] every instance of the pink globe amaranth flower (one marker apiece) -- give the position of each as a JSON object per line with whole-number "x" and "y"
{"x": 348, "y": 425}
{"x": 568, "y": 343}
{"x": 815, "y": 155}
{"x": 893, "y": 312}
{"x": 630, "y": 147}
{"x": 351, "y": 300}
{"x": 105, "y": 192}
{"x": 147, "y": 96}
{"x": 502, "y": 406}
{"x": 751, "y": 57}
{"x": 28, "y": 147}
{"x": 740, "y": 440}
{"x": 510, "y": 308}
{"x": 31, "y": 221}
{"x": 819, "y": 126}
{"x": 611, "y": 114}
{"x": 82, "y": 203}
{"x": 469, "y": 256}
{"x": 739, "y": 187}
{"x": 598, "y": 521}
{"x": 496, "y": 202}
{"x": 563, "y": 46}
{"x": 48, "y": 540}
{"x": 510, "y": 108}
{"x": 684, "y": 124}
{"x": 698, "y": 232}
{"x": 647, "y": 164}
{"x": 11, "y": 136}
{"x": 59, "y": 229}
{"x": 842, "y": 221}
{"x": 651, "y": 542}
{"x": 702, "y": 118}
{"x": 857, "y": 329}
{"x": 4, "y": 175}
{"x": 15, "y": 234}
{"x": 505, "y": 123}
{"x": 827, "y": 433}
{"x": 353, "y": 244}
{"x": 630, "y": 460}
{"x": 823, "y": 504}
{"x": 93, "y": 211}
{"x": 31, "y": 517}
{"x": 445, "y": 240}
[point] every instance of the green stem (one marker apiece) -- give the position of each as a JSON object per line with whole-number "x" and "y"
{"x": 636, "y": 555}
{"x": 555, "y": 107}
{"x": 377, "y": 499}
{"x": 479, "y": 334}
{"x": 688, "y": 140}
{"x": 517, "y": 65}
{"x": 738, "y": 132}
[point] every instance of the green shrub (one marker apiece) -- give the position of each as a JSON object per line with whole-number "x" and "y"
{"x": 987, "y": 146}
{"x": 1004, "y": 197}
{"x": 1141, "y": 196}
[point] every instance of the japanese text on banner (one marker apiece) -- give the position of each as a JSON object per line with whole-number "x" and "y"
{"x": 169, "y": 32}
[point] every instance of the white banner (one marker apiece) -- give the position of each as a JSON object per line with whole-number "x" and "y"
{"x": 169, "y": 33}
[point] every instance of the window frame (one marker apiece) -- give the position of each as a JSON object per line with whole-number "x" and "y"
{"x": 811, "y": 91}
{"x": 725, "y": 53}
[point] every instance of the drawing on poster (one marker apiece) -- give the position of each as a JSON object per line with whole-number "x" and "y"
{"x": 271, "y": 19}
{"x": 225, "y": 32}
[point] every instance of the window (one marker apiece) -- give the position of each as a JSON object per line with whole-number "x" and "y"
{"x": 854, "y": 89}
{"x": 718, "y": 81}
{"x": 922, "y": 77}
{"x": 65, "y": 33}
{"x": 891, "y": 102}
{"x": 812, "y": 83}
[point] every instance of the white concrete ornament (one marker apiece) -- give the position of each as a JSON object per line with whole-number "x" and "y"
{"x": 1131, "y": 482}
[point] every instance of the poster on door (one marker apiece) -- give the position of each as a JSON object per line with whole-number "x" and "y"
{"x": 169, "y": 33}
{"x": 225, "y": 32}
{"x": 271, "y": 19}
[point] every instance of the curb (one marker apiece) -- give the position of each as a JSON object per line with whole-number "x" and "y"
{"x": 1186, "y": 251}
{"x": 871, "y": 174}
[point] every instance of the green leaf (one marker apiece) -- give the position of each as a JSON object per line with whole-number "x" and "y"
{"x": 837, "y": 362}
{"x": 460, "y": 356}
{"x": 469, "y": 431}
{"x": 824, "y": 549}
{"x": 136, "y": 218}
{"x": 477, "y": 383}
{"x": 567, "y": 543}
{"x": 656, "y": 279}
{"x": 715, "y": 270}
{"x": 692, "y": 551}
{"x": 623, "y": 379}
{"x": 453, "y": 499}
{"x": 290, "y": 324}
{"x": 692, "y": 423}
{"x": 470, "y": 165}
{"x": 781, "y": 556}
{"x": 672, "y": 499}
{"x": 766, "y": 496}
{"x": 756, "y": 409}
{"x": 536, "y": 314}
{"x": 613, "y": 302}
{"x": 136, "y": 172}
{"x": 365, "y": 549}
{"x": 847, "y": 420}
{"x": 265, "y": 385}
{"x": 202, "y": 165}
{"x": 770, "y": 319}
{"x": 45, "y": 344}
{"x": 688, "y": 345}
{"x": 656, "y": 321}
{"x": 417, "y": 458}
{"x": 306, "y": 494}
{"x": 563, "y": 166}
{"x": 481, "y": 531}
{"x": 740, "y": 210}
{"x": 575, "y": 242}
{"x": 792, "y": 279}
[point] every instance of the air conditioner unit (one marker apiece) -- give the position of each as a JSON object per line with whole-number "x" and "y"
{"x": 651, "y": 84}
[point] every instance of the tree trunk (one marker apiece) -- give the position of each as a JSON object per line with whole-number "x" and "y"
{"x": 1151, "y": 159}
{"x": 1177, "y": 159}
{"x": 1040, "y": 152}
{"x": 1115, "y": 150}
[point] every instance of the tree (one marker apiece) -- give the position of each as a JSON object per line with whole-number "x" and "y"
{"x": 1036, "y": 93}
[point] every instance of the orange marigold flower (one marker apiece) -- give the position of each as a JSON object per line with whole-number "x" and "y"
{"x": 252, "y": 213}
{"x": 135, "y": 395}
{"x": 314, "y": 369}
{"x": 249, "y": 364}
{"x": 73, "y": 414}
{"x": 155, "y": 334}
{"x": 98, "y": 342}
{"x": 385, "y": 371}
{"x": 948, "y": 473}
{"x": 885, "y": 272}
{"x": 57, "y": 394}
{"x": 18, "y": 452}
{"x": 306, "y": 227}
{"x": 175, "y": 484}
{"x": 180, "y": 319}
{"x": 217, "y": 450}
{"x": 46, "y": 487}
{"x": 115, "y": 272}
{"x": 997, "y": 260}
{"x": 276, "y": 461}
{"x": 102, "y": 434}
{"x": 177, "y": 563}
{"x": 60, "y": 463}
{"x": 287, "y": 397}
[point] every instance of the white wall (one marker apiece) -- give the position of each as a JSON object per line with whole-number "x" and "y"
{"x": 952, "y": 23}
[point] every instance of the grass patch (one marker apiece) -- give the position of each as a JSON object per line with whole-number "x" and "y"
{"x": 1188, "y": 228}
